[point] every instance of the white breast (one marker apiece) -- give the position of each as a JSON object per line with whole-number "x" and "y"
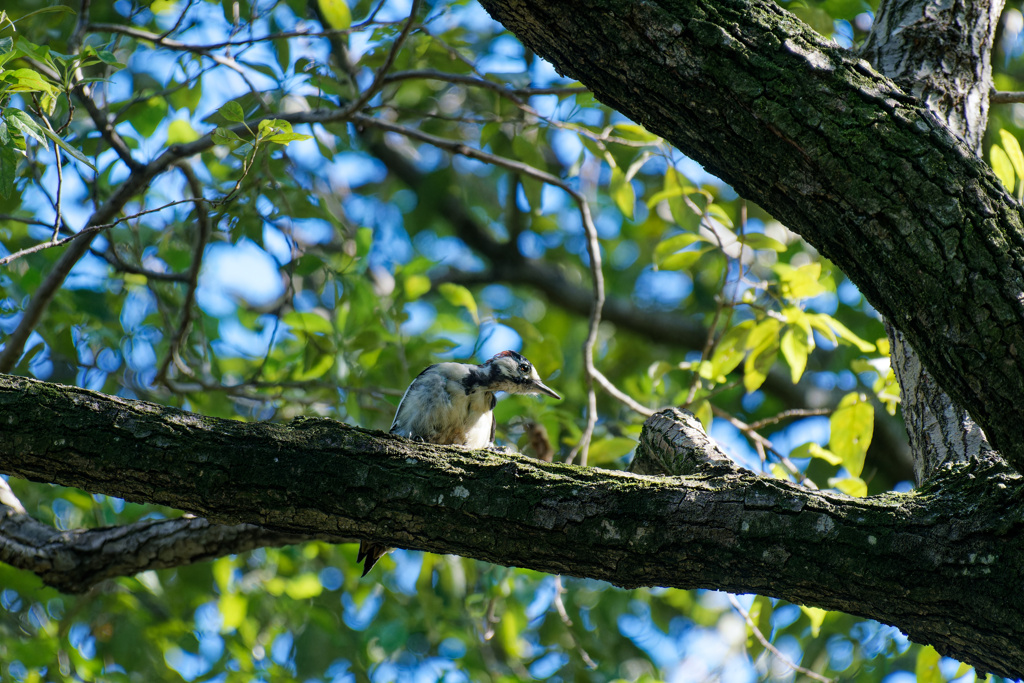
{"x": 437, "y": 409}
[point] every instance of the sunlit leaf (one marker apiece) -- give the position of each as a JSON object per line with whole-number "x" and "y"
{"x": 304, "y": 586}
{"x": 731, "y": 349}
{"x": 457, "y": 295}
{"x": 852, "y": 425}
{"x": 758, "y": 240}
{"x": 814, "y": 450}
{"x": 622, "y": 192}
{"x": 606, "y": 451}
{"x": 1002, "y": 166}
{"x": 180, "y": 132}
{"x": 233, "y": 608}
{"x": 795, "y": 348}
{"x": 336, "y": 13}
{"x": 816, "y": 616}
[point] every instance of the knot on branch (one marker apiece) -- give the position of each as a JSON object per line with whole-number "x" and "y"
{"x": 674, "y": 442}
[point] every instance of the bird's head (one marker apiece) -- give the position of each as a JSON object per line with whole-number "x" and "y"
{"x": 511, "y": 373}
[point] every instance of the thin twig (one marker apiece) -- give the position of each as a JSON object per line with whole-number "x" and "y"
{"x": 620, "y": 395}
{"x": 787, "y": 414}
{"x": 379, "y": 78}
{"x": 500, "y": 88}
{"x": 60, "y": 182}
{"x": 202, "y": 237}
{"x": 564, "y": 616}
{"x": 91, "y": 230}
{"x": 771, "y": 648}
{"x": 1006, "y": 97}
{"x": 762, "y": 444}
{"x": 169, "y": 43}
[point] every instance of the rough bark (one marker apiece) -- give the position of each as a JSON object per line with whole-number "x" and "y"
{"x": 74, "y": 561}
{"x": 941, "y": 52}
{"x": 843, "y": 156}
{"x": 726, "y": 528}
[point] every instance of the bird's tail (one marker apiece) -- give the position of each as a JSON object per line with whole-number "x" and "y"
{"x": 371, "y": 552}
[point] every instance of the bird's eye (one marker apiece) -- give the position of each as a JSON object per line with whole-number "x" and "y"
{"x": 524, "y": 368}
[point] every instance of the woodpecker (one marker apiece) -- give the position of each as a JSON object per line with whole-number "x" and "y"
{"x": 452, "y": 403}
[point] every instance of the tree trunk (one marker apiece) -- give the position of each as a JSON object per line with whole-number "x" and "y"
{"x": 941, "y": 52}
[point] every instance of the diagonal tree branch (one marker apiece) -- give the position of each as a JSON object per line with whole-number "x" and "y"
{"x": 722, "y": 528}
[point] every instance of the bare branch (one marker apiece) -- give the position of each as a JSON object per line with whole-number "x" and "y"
{"x": 771, "y": 648}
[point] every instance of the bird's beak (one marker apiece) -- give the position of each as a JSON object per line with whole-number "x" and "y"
{"x": 544, "y": 389}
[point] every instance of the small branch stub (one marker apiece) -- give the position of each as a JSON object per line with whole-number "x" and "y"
{"x": 674, "y": 442}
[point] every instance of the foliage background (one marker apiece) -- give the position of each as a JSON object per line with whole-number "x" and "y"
{"x": 327, "y": 264}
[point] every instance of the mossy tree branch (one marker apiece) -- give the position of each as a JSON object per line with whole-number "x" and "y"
{"x": 726, "y": 528}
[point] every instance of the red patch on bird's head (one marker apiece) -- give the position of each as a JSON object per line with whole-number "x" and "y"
{"x": 507, "y": 354}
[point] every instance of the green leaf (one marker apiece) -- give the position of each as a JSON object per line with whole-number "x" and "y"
{"x": 795, "y": 349}
{"x": 800, "y": 283}
{"x": 26, "y": 125}
{"x": 763, "y": 332}
{"x": 852, "y": 425}
{"x": 634, "y": 133}
{"x": 232, "y": 607}
{"x": 304, "y": 586}
{"x": 67, "y": 148}
{"x": 180, "y": 132}
{"x": 110, "y": 59}
{"x": 285, "y": 138}
{"x": 606, "y": 451}
{"x": 814, "y": 450}
{"x": 529, "y": 152}
{"x": 622, "y": 192}
{"x": 818, "y": 320}
{"x": 8, "y": 169}
{"x": 682, "y": 260}
{"x": 364, "y": 240}
{"x": 1013, "y": 152}
{"x": 308, "y": 322}
{"x": 223, "y": 569}
{"x": 27, "y": 80}
{"x": 226, "y": 137}
{"x": 718, "y": 213}
{"x": 232, "y": 111}
{"x": 851, "y": 486}
{"x": 730, "y": 350}
{"x": 758, "y": 240}
{"x": 675, "y": 243}
{"x": 817, "y": 617}
{"x": 457, "y": 295}
{"x": 336, "y": 13}
{"x": 761, "y": 359}
{"x": 702, "y": 411}
{"x": 416, "y": 286}
{"x": 1002, "y": 166}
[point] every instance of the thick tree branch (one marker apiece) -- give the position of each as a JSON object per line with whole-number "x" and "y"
{"x": 845, "y": 158}
{"x": 724, "y": 528}
{"x": 76, "y": 560}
